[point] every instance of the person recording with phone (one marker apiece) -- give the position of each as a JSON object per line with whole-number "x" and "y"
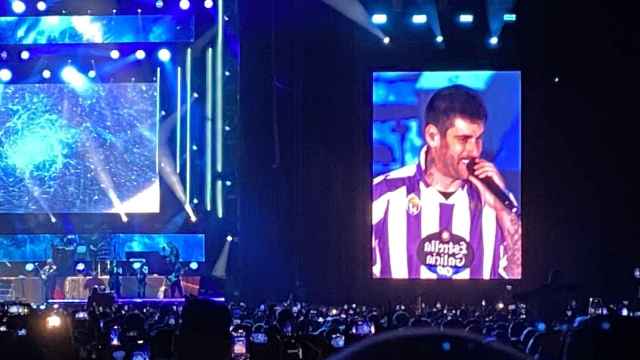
{"x": 450, "y": 216}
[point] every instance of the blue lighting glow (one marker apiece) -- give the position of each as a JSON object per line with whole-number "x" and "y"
{"x": 493, "y": 40}
{"x": 379, "y": 19}
{"x": 465, "y": 18}
{"x": 74, "y": 78}
{"x": 115, "y": 54}
{"x": 159, "y": 4}
{"x": 419, "y": 19}
{"x": 184, "y": 4}
{"x": 140, "y": 54}
{"x": 5, "y": 75}
{"x": 164, "y": 55}
{"x": 193, "y": 265}
{"x": 18, "y": 6}
{"x": 208, "y": 4}
{"x": 439, "y": 39}
{"x": 46, "y": 74}
{"x": 91, "y": 74}
{"x": 41, "y": 5}
{"x": 24, "y": 54}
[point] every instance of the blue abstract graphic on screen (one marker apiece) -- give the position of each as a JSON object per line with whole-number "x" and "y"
{"x": 26, "y": 247}
{"x": 64, "y": 151}
{"x": 191, "y": 246}
{"x": 84, "y": 29}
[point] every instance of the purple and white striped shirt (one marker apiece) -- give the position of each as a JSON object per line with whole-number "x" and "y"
{"x": 406, "y": 209}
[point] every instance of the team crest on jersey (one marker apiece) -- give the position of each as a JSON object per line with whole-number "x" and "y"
{"x": 413, "y": 204}
{"x": 445, "y": 253}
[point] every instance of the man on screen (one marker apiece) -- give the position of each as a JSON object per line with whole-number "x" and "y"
{"x": 434, "y": 219}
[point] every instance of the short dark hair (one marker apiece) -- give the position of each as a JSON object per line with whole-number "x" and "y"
{"x": 451, "y": 101}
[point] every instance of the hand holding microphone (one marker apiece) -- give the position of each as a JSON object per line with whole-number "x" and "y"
{"x": 485, "y": 175}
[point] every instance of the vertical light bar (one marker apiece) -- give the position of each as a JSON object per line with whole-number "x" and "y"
{"x": 188, "y": 153}
{"x": 209, "y": 128}
{"x": 178, "y": 118}
{"x": 219, "y": 79}
{"x": 219, "y": 198}
{"x": 157, "y": 119}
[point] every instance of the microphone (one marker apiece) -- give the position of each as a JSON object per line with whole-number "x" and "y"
{"x": 495, "y": 189}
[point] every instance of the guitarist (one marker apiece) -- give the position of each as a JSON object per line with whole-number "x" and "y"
{"x": 48, "y": 276}
{"x": 174, "y": 281}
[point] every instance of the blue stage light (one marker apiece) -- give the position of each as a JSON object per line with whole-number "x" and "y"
{"x": 419, "y": 19}
{"x": 29, "y": 267}
{"x": 208, "y": 4}
{"x": 159, "y": 4}
{"x": 24, "y": 54}
{"x": 80, "y": 267}
{"x": 439, "y": 39}
{"x": 115, "y": 54}
{"x": 493, "y": 40}
{"x": 18, "y": 6}
{"x": 5, "y": 75}
{"x": 41, "y": 5}
{"x": 91, "y": 74}
{"x": 379, "y": 19}
{"x": 509, "y": 17}
{"x": 465, "y": 18}
{"x": 140, "y": 54}
{"x": 74, "y": 78}
{"x": 184, "y": 4}
{"x": 193, "y": 265}
{"x": 164, "y": 55}
{"x": 46, "y": 74}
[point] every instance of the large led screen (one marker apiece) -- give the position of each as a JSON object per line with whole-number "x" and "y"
{"x": 446, "y": 175}
{"x": 77, "y": 148}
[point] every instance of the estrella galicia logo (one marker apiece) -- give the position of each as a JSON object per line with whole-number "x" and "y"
{"x": 445, "y": 253}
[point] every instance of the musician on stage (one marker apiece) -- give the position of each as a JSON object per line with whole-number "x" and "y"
{"x": 174, "y": 281}
{"x": 48, "y": 276}
{"x": 141, "y": 277}
{"x": 115, "y": 272}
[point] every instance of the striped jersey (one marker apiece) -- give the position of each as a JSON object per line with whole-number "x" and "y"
{"x": 407, "y": 212}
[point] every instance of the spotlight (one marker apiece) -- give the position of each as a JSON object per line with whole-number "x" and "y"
{"x": 159, "y": 4}
{"x": 636, "y": 273}
{"x": 124, "y": 217}
{"x": 91, "y": 74}
{"x": 192, "y": 215}
{"x": 51, "y": 217}
{"x": 5, "y": 75}
{"x": 193, "y": 265}
{"x": 419, "y": 19}
{"x": 140, "y": 54}
{"x": 18, "y": 6}
{"x": 493, "y": 41}
{"x": 115, "y": 54}
{"x": 71, "y": 75}
{"x": 184, "y": 4}
{"x": 439, "y": 39}
{"x": 229, "y": 238}
{"x": 53, "y": 321}
{"x": 379, "y": 19}
{"x": 208, "y": 4}
{"x": 386, "y": 40}
{"x": 41, "y": 5}
{"x": 164, "y": 55}
{"x": 509, "y": 17}
{"x": 136, "y": 265}
{"x": 29, "y": 267}
{"x": 465, "y": 18}
{"x": 46, "y": 74}
{"x": 228, "y": 183}
{"x": 80, "y": 267}
{"x": 24, "y": 55}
